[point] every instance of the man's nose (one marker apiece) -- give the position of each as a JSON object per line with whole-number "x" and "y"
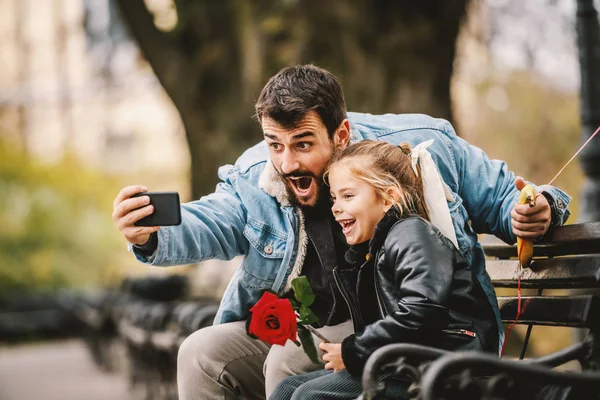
{"x": 289, "y": 163}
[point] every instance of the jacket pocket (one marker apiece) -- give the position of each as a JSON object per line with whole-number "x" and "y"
{"x": 265, "y": 255}
{"x": 265, "y": 240}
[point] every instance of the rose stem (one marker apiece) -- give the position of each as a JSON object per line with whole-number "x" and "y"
{"x": 316, "y": 333}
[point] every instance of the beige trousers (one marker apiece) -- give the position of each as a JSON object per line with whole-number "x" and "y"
{"x": 223, "y": 362}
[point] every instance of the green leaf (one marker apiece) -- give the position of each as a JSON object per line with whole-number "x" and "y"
{"x": 303, "y": 291}
{"x": 248, "y": 328}
{"x": 308, "y": 344}
{"x": 307, "y": 317}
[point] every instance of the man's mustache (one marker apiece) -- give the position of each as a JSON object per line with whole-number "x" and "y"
{"x": 298, "y": 174}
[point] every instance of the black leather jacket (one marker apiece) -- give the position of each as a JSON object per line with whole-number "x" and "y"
{"x": 412, "y": 286}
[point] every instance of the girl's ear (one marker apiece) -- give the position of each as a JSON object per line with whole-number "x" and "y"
{"x": 392, "y": 193}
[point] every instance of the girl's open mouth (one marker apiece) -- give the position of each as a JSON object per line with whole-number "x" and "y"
{"x": 347, "y": 225}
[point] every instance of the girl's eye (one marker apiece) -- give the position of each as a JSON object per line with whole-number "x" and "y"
{"x": 348, "y": 196}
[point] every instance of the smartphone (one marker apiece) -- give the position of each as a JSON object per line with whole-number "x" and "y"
{"x": 166, "y": 209}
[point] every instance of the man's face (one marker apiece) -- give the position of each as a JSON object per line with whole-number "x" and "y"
{"x": 300, "y": 154}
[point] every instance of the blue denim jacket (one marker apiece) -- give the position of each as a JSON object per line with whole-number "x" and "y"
{"x": 249, "y": 214}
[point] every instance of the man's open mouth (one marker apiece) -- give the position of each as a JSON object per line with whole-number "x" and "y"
{"x": 347, "y": 225}
{"x": 302, "y": 184}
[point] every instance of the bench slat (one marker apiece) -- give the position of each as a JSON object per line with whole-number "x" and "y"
{"x": 545, "y": 250}
{"x": 558, "y": 273}
{"x": 575, "y": 311}
{"x": 563, "y": 240}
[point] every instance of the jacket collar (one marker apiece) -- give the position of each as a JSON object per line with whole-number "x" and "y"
{"x": 273, "y": 184}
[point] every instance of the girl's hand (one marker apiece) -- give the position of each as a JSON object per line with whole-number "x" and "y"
{"x": 333, "y": 356}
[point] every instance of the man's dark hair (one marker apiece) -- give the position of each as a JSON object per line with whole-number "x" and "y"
{"x": 294, "y": 91}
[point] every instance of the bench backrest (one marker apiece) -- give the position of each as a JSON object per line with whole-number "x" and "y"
{"x": 567, "y": 258}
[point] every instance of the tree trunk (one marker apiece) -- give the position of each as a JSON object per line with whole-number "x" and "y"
{"x": 390, "y": 56}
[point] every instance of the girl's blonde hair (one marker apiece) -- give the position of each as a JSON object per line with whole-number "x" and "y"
{"x": 385, "y": 166}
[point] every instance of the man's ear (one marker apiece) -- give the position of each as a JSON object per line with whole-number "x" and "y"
{"x": 341, "y": 136}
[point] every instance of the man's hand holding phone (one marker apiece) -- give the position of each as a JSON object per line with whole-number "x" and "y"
{"x": 139, "y": 213}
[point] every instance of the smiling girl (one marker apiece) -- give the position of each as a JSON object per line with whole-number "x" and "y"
{"x": 407, "y": 281}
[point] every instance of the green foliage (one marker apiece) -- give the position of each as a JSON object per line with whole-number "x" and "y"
{"x": 56, "y": 226}
{"x": 536, "y": 131}
{"x": 308, "y": 344}
{"x": 303, "y": 291}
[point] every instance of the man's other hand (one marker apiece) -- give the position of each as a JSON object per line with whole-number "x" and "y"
{"x": 530, "y": 222}
{"x": 127, "y": 211}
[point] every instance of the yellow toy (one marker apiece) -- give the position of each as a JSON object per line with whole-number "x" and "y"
{"x": 525, "y": 246}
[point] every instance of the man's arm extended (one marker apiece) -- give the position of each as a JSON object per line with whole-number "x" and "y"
{"x": 211, "y": 227}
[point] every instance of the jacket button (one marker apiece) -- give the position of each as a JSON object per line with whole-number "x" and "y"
{"x": 559, "y": 203}
{"x": 268, "y": 249}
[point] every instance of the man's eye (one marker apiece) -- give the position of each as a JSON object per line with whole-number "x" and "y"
{"x": 275, "y": 146}
{"x": 304, "y": 145}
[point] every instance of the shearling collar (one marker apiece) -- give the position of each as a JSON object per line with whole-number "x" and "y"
{"x": 273, "y": 184}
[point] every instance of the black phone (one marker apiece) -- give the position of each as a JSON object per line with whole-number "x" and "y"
{"x": 167, "y": 210}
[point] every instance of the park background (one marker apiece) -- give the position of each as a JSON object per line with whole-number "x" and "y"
{"x": 99, "y": 94}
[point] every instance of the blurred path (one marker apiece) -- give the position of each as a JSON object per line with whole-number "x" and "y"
{"x": 56, "y": 370}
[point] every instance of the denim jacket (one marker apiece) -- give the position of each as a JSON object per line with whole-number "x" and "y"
{"x": 249, "y": 214}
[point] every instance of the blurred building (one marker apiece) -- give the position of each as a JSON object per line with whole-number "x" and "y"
{"x": 73, "y": 81}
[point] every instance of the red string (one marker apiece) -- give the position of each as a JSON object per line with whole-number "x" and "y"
{"x": 518, "y": 302}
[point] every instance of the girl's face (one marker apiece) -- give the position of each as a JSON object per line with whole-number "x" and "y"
{"x": 356, "y": 205}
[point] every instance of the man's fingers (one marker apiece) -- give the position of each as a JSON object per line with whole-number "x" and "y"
{"x": 129, "y": 206}
{"x": 519, "y": 183}
{"x": 127, "y": 192}
{"x": 524, "y": 209}
{"x": 529, "y": 215}
{"x": 132, "y": 217}
{"x": 137, "y": 231}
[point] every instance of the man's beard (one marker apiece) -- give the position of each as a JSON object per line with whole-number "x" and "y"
{"x": 322, "y": 191}
{"x": 321, "y": 195}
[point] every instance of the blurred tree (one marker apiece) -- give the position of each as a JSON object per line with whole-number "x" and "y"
{"x": 55, "y": 232}
{"x": 391, "y": 57}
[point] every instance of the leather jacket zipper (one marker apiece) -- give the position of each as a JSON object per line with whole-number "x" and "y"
{"x": 380, "y": 303}
{"x": 462, "y": 332}
{"x": 342, "y": 289}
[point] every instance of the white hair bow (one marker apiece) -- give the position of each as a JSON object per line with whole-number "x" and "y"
{"x": 435, "y": 190}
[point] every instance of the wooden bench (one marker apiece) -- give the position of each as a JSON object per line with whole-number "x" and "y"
{"x": 149, "y": 318}
{"x": 568, "y": 258}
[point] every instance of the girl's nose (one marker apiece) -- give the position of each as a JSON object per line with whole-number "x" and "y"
{"x": 336, "y": 210}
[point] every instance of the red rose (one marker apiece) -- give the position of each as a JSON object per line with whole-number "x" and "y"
{"x": 273, "y": 320}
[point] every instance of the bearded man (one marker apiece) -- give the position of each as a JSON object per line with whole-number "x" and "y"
{"x": 272, "y": 208}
